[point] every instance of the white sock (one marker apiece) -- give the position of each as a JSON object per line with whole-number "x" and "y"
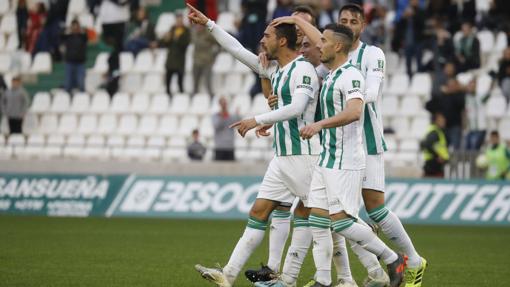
{"x": 252, "y": 237}
{"x": 341, "y": 257}
{"x": 367, "y": 259}
{"x": 322, "y": 248}
{"x": 364, "y": 236}
{"x": 299, "y": 245}
{"x": 278, "y": 234}
{"x": 392, "y": 227}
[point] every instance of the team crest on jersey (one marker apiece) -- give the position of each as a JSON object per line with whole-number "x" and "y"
{"x": 307, "y": 80}
{"x": 380, "y": 64}
{"x": 356, "y": 84}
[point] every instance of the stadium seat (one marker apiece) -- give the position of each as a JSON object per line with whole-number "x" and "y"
{"x": 223, "y": 63}
{"x": 48, "y": 124}
{"x": 160, "y": 104}
{"x": 54, "y": 145}
{"x": 188, "y": 123}
{"x": 233, "y": 84}
{"x": 107, "y": 124}
{"x": 5, "y": 62}
{"x": 16, "y": 143}
{"x": 30, "y": 123}
{"x": 115, "y": 145}
{"x": 180, "y": 104}
{"x": 391, "y": 142}
{"x": 249, "y": 81}
{"x": 159, "y": 61}
{"x": 126, "y": 61}
{"x": 86, "y": 20}
{"x": 128, "y": 124}
{"x": 120, "y": 103}
{"x": 8, "y": 25}
{"x": 140, "y": 103}
{"x": 131, "y": 82}
{"x": 153, "y": 83}
{"x": 135, "y": 147}
{"x": 35, "y": 146}
{"x": 176, "y": 150}
{"x": 100, "y": 102}
{"x": 399, "y": 85}
{"x": 501, "y": 42}
{"x": 241, "y": 68}
{"x": 101, "y": 63}
{"x": 61, "y": 102}
{"x": 504, "y": 129}
{"x": 74, "y": 146}
{"x": 41, "y": 103}
{"x": 41, "y": 63}
{"x": 21, "y": 62}
{"x": 68, "y": 124}
{"x": 259, "y": 105}
{"x": 411, "y": 106}
{"x": 390, "y": 106}
{"x": 12, "y": 43}
{"x": 401, "y": 126}
{"x": 392, "y": 61}
{"x": 206, "y": 127}
{"x": 226, "y": 21}
{"x": 200, "y": 104}
{"x": 80, "y": 103}
{"x": 4, "y": 7}
{"x": 144, "y": 62}
{"x": 483, "y": 6}
{"x": 165, "y": 21}
{"x": 465, "y": 78}
{"x": 188, "y": 68}
{"x": 88, "y": 124}
{"x": 148, "y": 125}
{"x": 168, "y": 125}
{"x": 95, "y": 147}
{"x": 419, "y": 127}
{"x": 76, "y": 7}
{"x": 2, "y": 42}
{"x": 486, "y": 39}
{"x": 241, "y": 103}
{"x": 496, "y": 107}
{"x": 483, "y": 84}
{"x": 421, "y": 85}
{"x": 409, "y": 145}
{"x": 154, "y": 148}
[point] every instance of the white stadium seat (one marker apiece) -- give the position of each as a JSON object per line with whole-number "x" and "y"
{"x": 95, "y": 147}
{"x": 107, "y": 124}
{"x": 101, "y": 64}
{"x": 496, "y": 107}
{"x": 8, "y": 25}
{"x": 5, "y": 61}
{"x": 409, "y": 145}
{"x": 153, "y": 83}
{"x": 120, "y": 103}
{"x": 4, "y": 7}
{"x": 180, "y": 104}
{"x": 80, "y": 103}
{"x": 54, "y": 145}
{"x": 401, "y": 126}
{"x": 188, "y": 123}
{"x": 206, "y": 127}
{"x": 165, "y": 21}
{"x": 483, "y": 84}
{"x": 140, "y": 103}
{"x": 74, "y": 146}
{"x": 30, "y": 123}
{"x": 48, "y": 124}
{"x": 419, "y": 127}
{"x": 131, "y": 82}
{"x": 135, "y": 147}
{"x": 76, "y": 7}
{"x": 168, "y": 125}
{"x": 501, "y": 42}
{"x": 148, "y": 125}
{"x": 176, "y": 150}
{"x": 200, "y": 104}
{"x": 223, "y": 63}
{"x": 16, "y": 143}
{"x": 116, "y": 145}
{"x": 504, "y": 129}
{"x": 241, "y": 103}
{"x": 68, "y": 124}
{"x": 421, "y": 85}
{"x": 41, "y": 103}
{"x": 100, "y": 102}
{"x": 35, "y": 146}
{"x": 61, "y": 102}
{"x": 126, "y": 62}
{"x": 41, "y": 63}
{"x": 88, "y": 124}
{"x": 226, "y": 20}
{"x": 144, "y": 62}
{"x": 486, "y": 39}
{"x": 12, "y": 43}
{"x": 128, "y": 124}
{"x": 399, "y": 85}
{"x": 411, "y": 106}
{"x": 390, "y": 106}
{"x": 259, "y": 105}
{"x": 159, "y": 104}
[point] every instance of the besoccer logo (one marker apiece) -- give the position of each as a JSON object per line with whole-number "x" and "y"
{"x": 356, "y": 84}
{"x": 306, "y": 80}
{"x": 380, "y": 64}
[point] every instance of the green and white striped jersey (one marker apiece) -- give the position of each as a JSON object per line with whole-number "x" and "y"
{"x": 286, "y": 81}
{"x": 370, "y": 60}
{"x": 342, "y": 147}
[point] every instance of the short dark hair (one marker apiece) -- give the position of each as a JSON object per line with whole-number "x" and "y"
{"x": 353, "y": 8}
{"x": 344, "y": 32}
{"x": 287, "y": 31}
{"x": 307, "y": 10}
{"x": 494, "y": 133}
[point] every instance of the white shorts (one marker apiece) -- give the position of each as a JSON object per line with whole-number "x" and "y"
{"x": 336, "y": 190}
{"x": 374, "y": 173}
{"x": 288, "y": 177}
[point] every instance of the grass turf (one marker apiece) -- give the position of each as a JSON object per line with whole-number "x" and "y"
{"x": 40, "y": 251}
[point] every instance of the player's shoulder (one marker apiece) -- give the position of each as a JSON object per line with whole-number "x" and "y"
{"x": 302, "y": 63}
{"x": 374, "y": 50}
{"x": 350, "y": 71}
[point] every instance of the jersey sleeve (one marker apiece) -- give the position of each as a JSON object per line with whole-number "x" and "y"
{"x": 376, "y": 65}
{"x": 305, "y": 80}
{"x": 352, "y": 84}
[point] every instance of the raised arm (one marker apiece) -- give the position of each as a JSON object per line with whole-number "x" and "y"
{"x": 229, "y": 43}
{"x": 313, "y": 34}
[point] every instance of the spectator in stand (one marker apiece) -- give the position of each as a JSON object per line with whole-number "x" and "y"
{"x": 49, "y": 38}
{"x": 497, "y": 156}
{"x": 435, "y": 149}
{"x": 223, "y": 134}
{"x": 36, "y": 20}
{"x": 3, "y": 88}
{"x": 452, "y": 103}
{"x": 75, "y": 42}
{"x": 410, "y": 34}
{"x": 504, "y": 74}
{"x": 176, "y": 41}
{"x": 114, "y": 15}
{"x": 441, "y": 78}
{"x": 283, "y": 8}
{"x": 476, "y": 118}
{"x": 142, "y": 33}
{"x": 467, "y": 49}
{"x": 204, "y": 54}
{"x": 14, "y": 103}
{"x": 375, "y": 31}
{"x": 22, "y": 21}
{"x": 441, "y": 45}
{"x": 196, "y": 150}
{"x": 328, "y": 13}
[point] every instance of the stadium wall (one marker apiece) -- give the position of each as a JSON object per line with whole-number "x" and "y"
{"x": 230, "y": 197}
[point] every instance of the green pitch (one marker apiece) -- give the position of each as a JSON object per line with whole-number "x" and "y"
{"x": 38, "y": 251}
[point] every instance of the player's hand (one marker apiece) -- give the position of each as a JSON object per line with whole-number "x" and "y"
{"x": 262, "y": 131}
{"x": 264, "y": 61}
{"x": 309, "y": 131}
{"x": 196, "y": 16}
{"x": 283, "y": 20}
{"x": 244, "y": 126}
{"x": 272, "y": 101}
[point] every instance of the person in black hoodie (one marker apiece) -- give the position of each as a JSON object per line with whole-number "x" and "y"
{"x": 75, "y": 42}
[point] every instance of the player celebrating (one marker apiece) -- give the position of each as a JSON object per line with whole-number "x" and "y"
{"x": 289, "y": 174}
{"x": 342, "y": 161}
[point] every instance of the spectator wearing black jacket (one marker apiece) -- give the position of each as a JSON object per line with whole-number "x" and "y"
{"x": 410, "y": 34}
{"x": 75, "y": 42}
{"x": 142, "y": 33}
{"x": 504, "y": 74}
{"x": 467, "y": 49}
